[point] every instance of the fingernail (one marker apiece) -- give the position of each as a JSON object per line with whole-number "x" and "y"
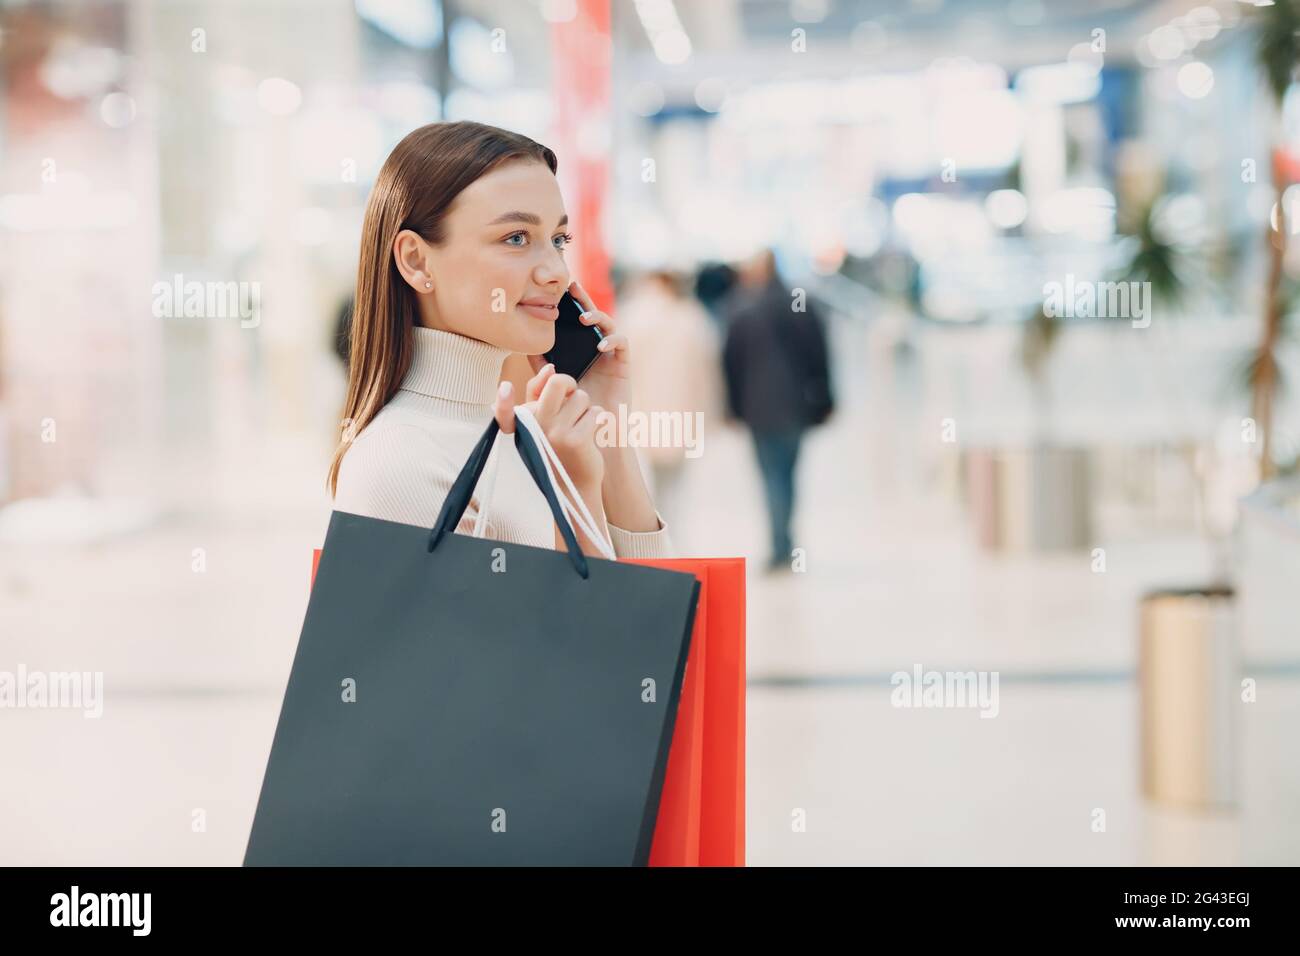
{"x": 504, "y": 390}
{"x": 604, "y": 345}
{"x": 548, "y": 365}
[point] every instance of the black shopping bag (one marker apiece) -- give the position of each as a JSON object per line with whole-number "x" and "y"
{"x": 456, "y": 700}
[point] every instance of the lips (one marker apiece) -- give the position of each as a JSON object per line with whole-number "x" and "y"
{"x": 541, "y": 309}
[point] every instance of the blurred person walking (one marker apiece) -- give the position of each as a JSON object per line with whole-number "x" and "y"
{"x": 675, "y": 350}
{"x": 713, "y": 283}
{"x": 777, "y": 374}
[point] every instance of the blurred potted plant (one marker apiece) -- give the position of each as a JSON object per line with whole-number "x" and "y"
{"x": 1270, "y": 517}
{"x": 1277, "y": 52}
{"x": 1040, "y": 496}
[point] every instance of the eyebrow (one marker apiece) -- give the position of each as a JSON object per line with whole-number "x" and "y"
{"x": 528, "y": 217}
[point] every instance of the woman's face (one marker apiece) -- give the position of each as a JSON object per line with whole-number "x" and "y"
{"x": 500, "y": 271}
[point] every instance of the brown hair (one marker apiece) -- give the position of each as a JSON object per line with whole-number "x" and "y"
{"x": 416, "y": 187}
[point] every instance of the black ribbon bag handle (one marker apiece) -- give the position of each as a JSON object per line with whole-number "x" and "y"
{"x": 457, "y": 500}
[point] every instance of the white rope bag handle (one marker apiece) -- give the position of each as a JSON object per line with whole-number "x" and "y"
{"x": 576, "y": 511}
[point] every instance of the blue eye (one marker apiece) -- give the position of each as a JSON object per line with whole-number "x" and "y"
{"x": 564, "y": 240}
{"x": 517, "y": 235}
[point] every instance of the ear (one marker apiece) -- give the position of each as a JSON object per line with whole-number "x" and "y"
{"x": 410, "y": 255}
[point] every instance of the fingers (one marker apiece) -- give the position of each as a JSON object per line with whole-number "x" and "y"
{"x": 575, "y": 427}
{"x": 573, "y": 409}
{"x": 588, "y": 422}
{"x": 578, "y": 292}
{"x": 590, "y": 314}
{"x": 613, "y": 343}
{"x": 503, "y": 409}
{"x": 534, "y": 388}
{"x": 555, "y": 390}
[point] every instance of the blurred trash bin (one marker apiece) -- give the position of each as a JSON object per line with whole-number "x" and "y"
{"x": 1187, "y": 675}
{"x": 1030, "y": 498}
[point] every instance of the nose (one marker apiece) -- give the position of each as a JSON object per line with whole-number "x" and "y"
{"x": 552, "y": 270}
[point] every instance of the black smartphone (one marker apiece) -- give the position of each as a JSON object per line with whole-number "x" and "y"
{"x": 575, "y": 344}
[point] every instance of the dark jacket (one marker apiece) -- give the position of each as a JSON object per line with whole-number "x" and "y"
{"x": 773, "y": 358}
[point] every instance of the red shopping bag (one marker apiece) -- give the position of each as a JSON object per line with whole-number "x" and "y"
{"x": 702, "y": 806}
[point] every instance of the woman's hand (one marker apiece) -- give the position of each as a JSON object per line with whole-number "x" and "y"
{"x": 568, "y": 418}
{"x": 609, "y": 380}
{"x": 620, "y": 492}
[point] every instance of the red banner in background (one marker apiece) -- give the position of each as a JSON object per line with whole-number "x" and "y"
{"x": 581, "y": 51}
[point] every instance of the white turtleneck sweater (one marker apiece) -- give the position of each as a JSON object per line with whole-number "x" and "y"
{"x": 401, "y": 465}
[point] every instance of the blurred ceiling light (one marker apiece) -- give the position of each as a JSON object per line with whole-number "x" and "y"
{"x": 673, "y": 46}
{"x": 809, "y": 11}
{"x": 117, "y": 110}
{"x": 1289, "y": 199}
{"x": 416, "y": 23}
{"x": 278, "y": 96}
{"x": 868, "y": 38}
{"x": 864, "y": 231}
{"x": 1058, "y": 83}
{"x": 1084, "y": 56}
{"x": 710, "y": 94}
{"x": 963, "y": 74}
{"x": 1202, "y": 23}
{"x": 73, "y": 70}
{"x": 1025, "y": 13}
{"x": 1088, "y": 212}
{"x": 1142, "y": 51}
{"x": 1195, "y": 79}
{"x": 473, "y": 58}
{"x": 913, "y": 213}
{"x": 646, "y": 98}
{"x": 664, "y": 28}
{"x": 1166, "y": 42}
{"x": 559, "y": 11}
{"x": 1006, "y": 208}
{"x": 978, "y": 129}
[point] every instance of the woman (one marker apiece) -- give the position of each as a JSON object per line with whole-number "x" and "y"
{"x": 462, "y": 264}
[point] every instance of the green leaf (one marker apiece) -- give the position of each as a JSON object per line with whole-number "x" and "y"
{"x": 1276, "y": 48}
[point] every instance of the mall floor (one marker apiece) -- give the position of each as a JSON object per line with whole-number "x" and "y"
{"x": 194, "y": 666}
